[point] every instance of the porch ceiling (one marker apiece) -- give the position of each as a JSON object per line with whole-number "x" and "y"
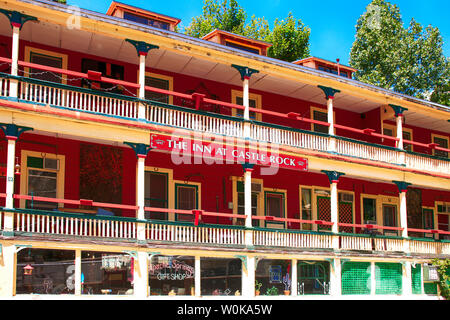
{"x": 61, "y": 36}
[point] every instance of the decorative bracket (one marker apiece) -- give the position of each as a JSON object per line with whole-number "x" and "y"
{"x": 142, "y": 47}
{"x": 140, "y": 149}
{"x": 12, "y": 131}
{"x": 16, "y": 18}
{"x": 344, "y": 261}
{"x": 152, "y": 254}
{"x": 333, "y": 176}
{"x": 398, "y": 110}
{"x": 133, "y": 254}
{"x": 243, "y": 259}
{"x": 402, "y": 185}
{"x": 329, "y": 92}
{"x": 331, "y": 261}
{"x": 245, "y": 72}
{"x": 247, "y": 166}
{"x": 257, "y": 260}
{"x": 20, "y": 247}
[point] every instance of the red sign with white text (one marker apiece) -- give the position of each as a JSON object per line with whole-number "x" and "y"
{"x": 222, "y": 153}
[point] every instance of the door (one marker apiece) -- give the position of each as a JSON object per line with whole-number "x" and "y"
{"x": 186, "y": 198}
{"x": 390, "y": 218}
{"x": 156, "y": 194}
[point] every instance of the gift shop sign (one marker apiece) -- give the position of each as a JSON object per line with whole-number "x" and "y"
{"x": 225, "y": 153}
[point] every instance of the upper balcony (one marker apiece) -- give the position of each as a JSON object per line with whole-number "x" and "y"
{"x": 195, "y": 87}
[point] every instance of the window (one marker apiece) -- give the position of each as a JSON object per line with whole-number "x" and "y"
{"x": 274, "y": 207}
{"x": 107, "y": 70}
{"x": 241, "y": 200}
{"x": 254, "y": 102}
{"x": 46, "y": 58}
{"x": 242, "y": 47}
{"x": 43, "y": 177}
{"x": 186, "y": 198}
{"x": 160, "y": 82}
{"x": 220, "y": 276}
{"x": 319, "y": 115}
{"x": 273, "y": 277}
{"x": 171, "y": 275}
{"x": 428, "y": 221}
{"x": 147, "y": 21}
{"x": 442, "y": 142}
{"x": 391, "y": 130}
{"x": 156, "y": 194}
{"x": 313, "y": 277}
{"x": 306, "y": 207}
{"x": 443, "y": 217}
{"x": 45, "y": 271}
{"x": 370, "y": 210}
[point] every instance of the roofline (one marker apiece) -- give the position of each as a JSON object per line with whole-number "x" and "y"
{"x": 215, "y": 46}
{"x": 207, "y": 36}
{"x": 325, "y": 61}
{"x": 115, "y": 4}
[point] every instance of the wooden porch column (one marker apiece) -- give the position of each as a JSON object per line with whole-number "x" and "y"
{"x": 329, "y": 96}
{"x": 407, "y": 280}
{"x": 8, "y": 271}
{"x": 12, "y": 133}
{"x": 402, "y": 188}
{"x": 17, "y": 20}
{"x": 248, "y": 276}
{"x": 399, "y": 121}
{"x": 246, "y": 73}
{"x": 78, "y": 290}
{"x": 335, "y": 278}
{"x": 197, "y": 277}
{"x": 333, "y": 177}
{"x": 294, "y": 286}
{"x": 141, "y": 151}
{"x": 142, "y": 49}
{"x": 140, "y": 277}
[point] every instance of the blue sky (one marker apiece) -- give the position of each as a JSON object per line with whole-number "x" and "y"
{"x": 332, "y": 23}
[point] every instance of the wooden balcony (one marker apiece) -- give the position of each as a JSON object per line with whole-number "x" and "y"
{"x": 126, "y": 107}
{"x": 48, "y": 225}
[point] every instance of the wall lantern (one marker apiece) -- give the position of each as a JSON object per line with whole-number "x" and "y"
{"x": 28, "y": 270}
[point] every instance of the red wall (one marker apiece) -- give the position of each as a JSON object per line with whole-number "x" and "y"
{"x": 274, "y": 102}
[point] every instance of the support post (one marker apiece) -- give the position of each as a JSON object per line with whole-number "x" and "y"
{"x": 248, "y": 169}
{"x": 78, "y": 284}
{"x": 335, "y": 279}
{"x": 402, "y": 188}
{"x": 17, "y": 20}
{"x": 248, "y": 277}
{"x": 140, "y": 276}
{"x": 142, "y": 49}
{"x": 197, "y": 277}
{"x": 373, "y": 282}
{"x": 12, "y": 133}
{"x": 8, "y": 271}
{"x": 246, "y": 73}
{"x": 329, "y": 96}
{"x": 294, "y": 285}
{"x": 333, "y": 177}
{"x": 407, "y": 280}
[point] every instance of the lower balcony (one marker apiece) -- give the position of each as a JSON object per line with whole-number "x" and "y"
{"x": 56, "y": 225}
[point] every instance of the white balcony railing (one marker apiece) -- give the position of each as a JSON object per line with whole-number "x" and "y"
{"x": 85, "y": 100}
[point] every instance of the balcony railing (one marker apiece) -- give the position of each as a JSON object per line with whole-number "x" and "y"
{"x": 106, "y": 103}
{"x": 29, "y": 222}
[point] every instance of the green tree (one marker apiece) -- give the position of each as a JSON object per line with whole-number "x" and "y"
{"x": 289, "y": 37}
{"x": 407, "y": 60}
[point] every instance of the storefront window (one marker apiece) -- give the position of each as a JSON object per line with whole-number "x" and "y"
{"x": 106, "y": 273}
{"x": 273, "y": 277}
{"x": 171, "y": 275}
{"x": 313, "y": 277}
{"x": 45, "y": 271}
{"x": 221, "y": 277}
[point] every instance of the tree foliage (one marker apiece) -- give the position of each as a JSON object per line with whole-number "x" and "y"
{"x": 289, "y": 37}
{"x": 407, "y": 60}
{"x": 443, "y": 269}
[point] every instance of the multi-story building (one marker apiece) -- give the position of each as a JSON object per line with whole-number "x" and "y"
{"x": 140, "y": 161}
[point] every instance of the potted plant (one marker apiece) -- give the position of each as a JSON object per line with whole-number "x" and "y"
{"x": 257, "y": 287}
{"x": 272, "y": 291}
{"x": 287, "y": 284}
